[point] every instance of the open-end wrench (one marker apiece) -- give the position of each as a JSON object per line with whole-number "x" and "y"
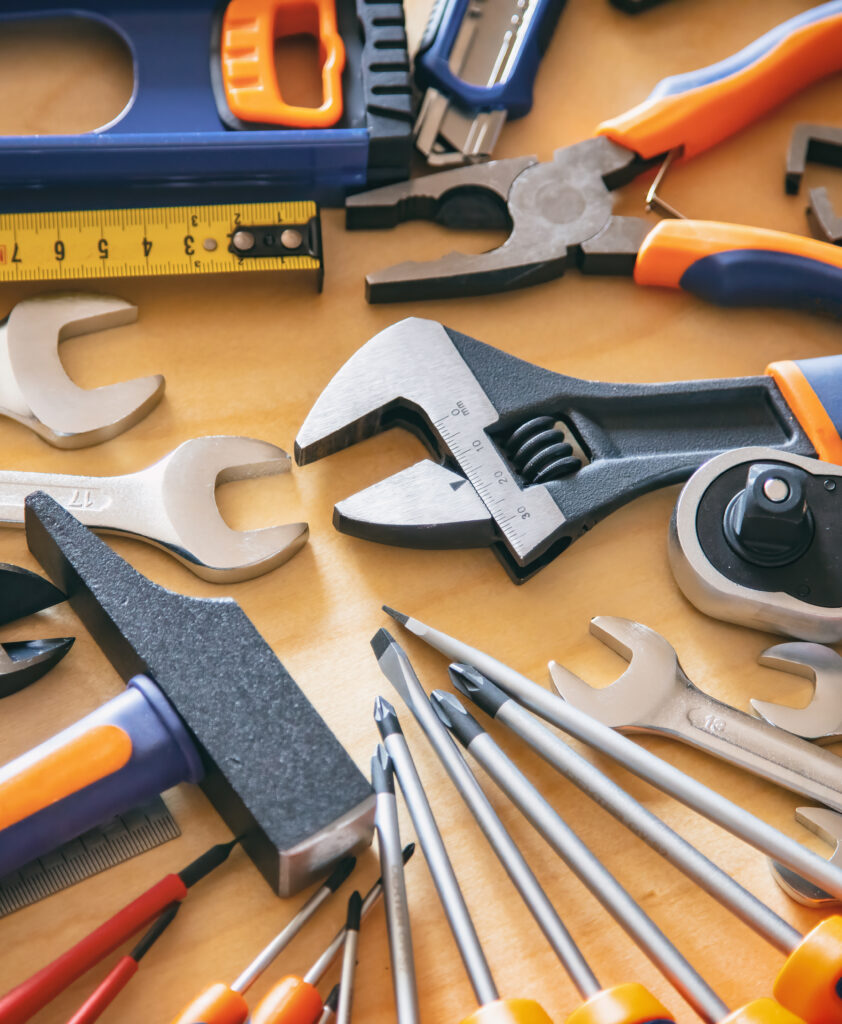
{"x": 821, "y": 719}
{"x": 654, "y": 695}
{"x": 172, "y": 505}
{"x": 826, "y": 825}
{"x": 34, "y": 387}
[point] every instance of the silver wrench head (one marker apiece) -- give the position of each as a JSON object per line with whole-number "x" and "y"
{"x": 827, "y": 825}
{"x": 648, "y": 683}
{"x": 34, "y": 387}
{"x": 196, "y": 533}
{"x": 821, "y": 719}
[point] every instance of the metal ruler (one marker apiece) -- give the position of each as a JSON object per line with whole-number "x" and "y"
{"x": 153, "y": 241}
{"x": 103, "y": 847}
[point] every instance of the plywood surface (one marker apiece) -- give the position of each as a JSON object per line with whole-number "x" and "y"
{"x": 249, "y": 355}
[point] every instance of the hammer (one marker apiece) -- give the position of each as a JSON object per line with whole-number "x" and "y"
{"x": 207, "y": 702}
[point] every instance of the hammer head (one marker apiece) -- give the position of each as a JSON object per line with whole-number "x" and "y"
{"x": 275, "y": 772}
{"x": 635, "y": 699}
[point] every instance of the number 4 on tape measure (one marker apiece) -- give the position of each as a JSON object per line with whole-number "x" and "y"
{"x": 156, "y": 241}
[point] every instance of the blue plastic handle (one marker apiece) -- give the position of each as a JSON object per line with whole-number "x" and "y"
{"x": 514, "y": 93}
{"x": 162, "y": 755}
{"x": 677, "y": 84}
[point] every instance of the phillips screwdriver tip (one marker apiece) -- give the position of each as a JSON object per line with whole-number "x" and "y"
{"x": 382, "y": 771}
{"x": 397, "y": 616}
{"x": 383, "y": 710}
{"x": 461, "y": 723}
{"x": 479, "y": 688}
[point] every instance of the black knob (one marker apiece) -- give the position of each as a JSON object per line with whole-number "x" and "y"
{"x": 770, "y": 522}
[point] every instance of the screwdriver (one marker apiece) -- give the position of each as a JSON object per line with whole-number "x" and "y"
{"x": 224, "y": 1004}
{"x": 622, "y": 1004}
{"x": 349, "y": 960}
{"x": 26, "y": 999}
{"x": 602, "y": 884}
{"x": 122, "y": 972}
{"x": 398, "y": 925}
{"x": 329, "y": 1011}
{"x": 293, "y": 1000}
{"x": 492, "y": 1009}
{"x": 808, "y": 984}
{"x": 635, "y": 758}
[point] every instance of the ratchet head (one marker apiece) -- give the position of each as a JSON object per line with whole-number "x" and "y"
{"x": 35, "y": 389}
{"x": 551, "y": 209}
{"x": 827, "y": 825}
{"x": 646, "y": 685}
{"x": 23, "y": 593}
{"x": 821, "y": 719}
{"x": 194, "y": 530}
{"x": 22, "y": 662}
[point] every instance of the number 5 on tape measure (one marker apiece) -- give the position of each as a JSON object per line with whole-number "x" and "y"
{"x": 154, "y": 241}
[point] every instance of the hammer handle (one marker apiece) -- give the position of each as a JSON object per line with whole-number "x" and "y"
{"x": 22, "y": 1002}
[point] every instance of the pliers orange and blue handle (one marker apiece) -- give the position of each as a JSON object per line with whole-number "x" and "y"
{"x": 559, "y": 212}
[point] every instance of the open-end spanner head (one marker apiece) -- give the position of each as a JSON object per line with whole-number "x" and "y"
{"x": 827, "y": 825}
{"x": 821, "y": 719}
{"x": 22, "y": 662}
{"x": 200, "y": 537}
{"x": 34, "y": 387}
{"x": 650, "y": 680}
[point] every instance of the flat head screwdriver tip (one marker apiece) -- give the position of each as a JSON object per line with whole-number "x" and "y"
{"x": 381, "y": 640}
{"x": 397, "y": 616}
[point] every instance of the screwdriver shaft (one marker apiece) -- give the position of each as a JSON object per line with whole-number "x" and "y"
{"x": 444, "y": 878}
{"x": 637, "y": 759}
{"x": 396, "y": 666}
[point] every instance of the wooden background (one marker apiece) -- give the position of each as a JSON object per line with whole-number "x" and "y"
{"x": 248, "y": 355}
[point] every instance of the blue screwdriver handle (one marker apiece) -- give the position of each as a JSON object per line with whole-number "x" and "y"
{"x": 513, "y": 92}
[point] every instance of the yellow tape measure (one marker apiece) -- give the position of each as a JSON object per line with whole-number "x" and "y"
{"x": 160, "y": 240}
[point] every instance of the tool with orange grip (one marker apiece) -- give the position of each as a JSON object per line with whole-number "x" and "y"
{"x": 559, "y": 213}
{"x": 122, "y": 972}
{"x": 27, "y": 998}
{"x": 225, "y": 1004}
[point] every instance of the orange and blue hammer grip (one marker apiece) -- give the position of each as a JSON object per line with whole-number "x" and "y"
{"x": 810, "y": 982}
{"x": 733, "y": 265}
{"x": 699, "y": 109}
{"x": 27, "y": 998}
{"x": 124, "y": 753}
{"x": 812, "y": 388}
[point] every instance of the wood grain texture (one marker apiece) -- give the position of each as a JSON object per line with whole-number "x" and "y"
{"x": 248, "y": 355}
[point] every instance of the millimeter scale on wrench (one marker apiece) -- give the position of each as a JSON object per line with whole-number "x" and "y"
{"x": 156, "y": 241}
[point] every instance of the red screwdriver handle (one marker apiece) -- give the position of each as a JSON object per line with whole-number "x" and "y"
{"x": 95, "y": 1005}
{"x": 18, "y": 1005}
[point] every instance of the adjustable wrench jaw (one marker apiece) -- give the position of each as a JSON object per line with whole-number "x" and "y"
{"x": 553, "y": 210}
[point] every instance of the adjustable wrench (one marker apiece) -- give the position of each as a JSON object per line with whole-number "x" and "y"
{"x": 171, "y": 504}
{"x": 654, "y": 695}
{"x": 34, "y": 388}
{"x": 527, "y": 460}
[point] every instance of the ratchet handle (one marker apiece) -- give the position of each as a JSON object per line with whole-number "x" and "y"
{"x": 124, "y": 753}
{"x": 699, "y": 109}
{"x": 734, "y": 265}
{"x": 513, "y": 91}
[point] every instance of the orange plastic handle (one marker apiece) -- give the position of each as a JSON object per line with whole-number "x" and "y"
{"x": 249, "y": 31}
{"x": 509, "y": 1011}
{"x": 622, "y": 1004}
{"x": 28, "y": 786}
{"x": 764, "y": 1011}
{"x": 700, "y": 109}
{"x": 809, "y": 982}
{"x": 291, "y": 1001}
{"x": 218, "y": 1004}
{"x": 810, "y": 412}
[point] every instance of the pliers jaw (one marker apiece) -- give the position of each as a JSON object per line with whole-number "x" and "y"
{"x": 558, "y": 213}
{"x": 22, "y": 662}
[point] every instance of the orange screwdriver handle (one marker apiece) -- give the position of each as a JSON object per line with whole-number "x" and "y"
{"x": 509, "y": 1011}
{"x": 218, "y": 1004}
{"x": 763, "y": 1011}
{"x": 291, "y": 1001}
{"x": 622, "y": 1004}
{"x": 810, "y": 982}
